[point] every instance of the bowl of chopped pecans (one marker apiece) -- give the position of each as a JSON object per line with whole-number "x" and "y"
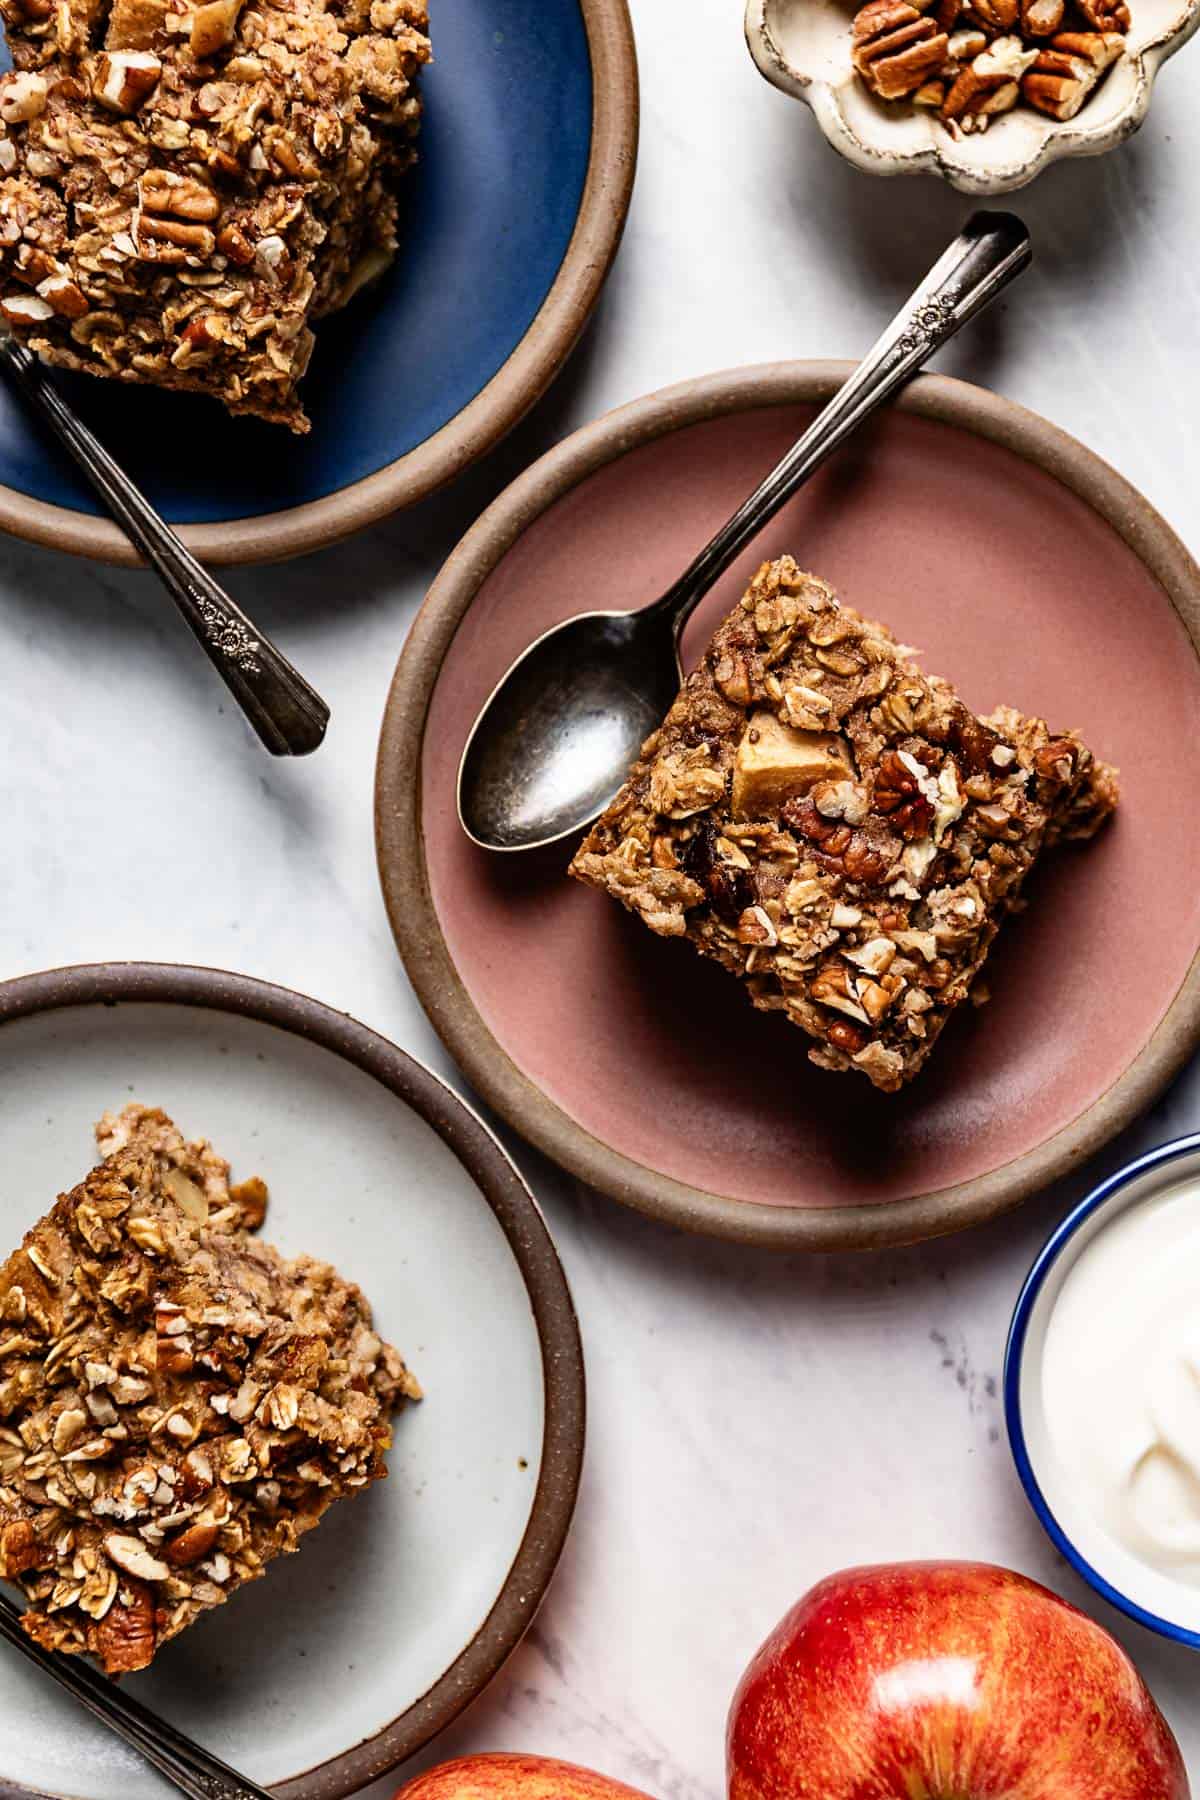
{"x": 986, "y": 93}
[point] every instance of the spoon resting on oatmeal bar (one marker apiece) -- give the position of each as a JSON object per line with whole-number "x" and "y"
{"x": 179, "y": 1403}
{"x": 835, "y": 827}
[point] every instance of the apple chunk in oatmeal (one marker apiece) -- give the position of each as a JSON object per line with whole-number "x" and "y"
{"x": 835, "y": 827}
{"x": 179, "y": 1403}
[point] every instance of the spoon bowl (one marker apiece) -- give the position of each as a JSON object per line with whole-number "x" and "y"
{"x": 556, "y": 739}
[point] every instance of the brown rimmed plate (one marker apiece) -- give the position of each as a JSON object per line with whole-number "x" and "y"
{"x": 1028, "y": 572}
{"x": 405, "y": 1603}
{"x": 509, "y": 226}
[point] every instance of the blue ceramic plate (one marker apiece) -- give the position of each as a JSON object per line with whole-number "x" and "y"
{"x": 512, "y": 218}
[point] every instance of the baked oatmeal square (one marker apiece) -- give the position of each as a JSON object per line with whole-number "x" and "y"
{"x": 179, "y": 1403}
{"x": 835, "y": 827}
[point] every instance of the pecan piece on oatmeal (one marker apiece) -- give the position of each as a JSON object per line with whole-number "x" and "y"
{"x": 854, "y": 870}
{"x": 178, "y": 1403}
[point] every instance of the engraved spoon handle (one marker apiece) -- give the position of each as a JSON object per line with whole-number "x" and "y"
{"x": 990, "y": 251}
{"x": 192, "y": 1770}
{"x": 288, "y": 715}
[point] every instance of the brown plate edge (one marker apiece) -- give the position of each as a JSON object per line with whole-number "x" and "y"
{"x": 516, "y": 386}
{"x": 519, "y": 1217}
{"x": 400, "y": 844}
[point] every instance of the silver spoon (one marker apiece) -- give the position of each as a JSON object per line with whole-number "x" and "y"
{"x": 192, "y": 1770}
{"x": 556, "y": 739}
{"x": 287, "y": 714}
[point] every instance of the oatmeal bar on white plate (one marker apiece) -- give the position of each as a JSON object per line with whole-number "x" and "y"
{"x": 179, "y": 1403}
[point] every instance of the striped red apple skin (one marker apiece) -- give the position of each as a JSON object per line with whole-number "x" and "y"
{"x": 945, "y": 1681}
{"x": 506, "y": 1777}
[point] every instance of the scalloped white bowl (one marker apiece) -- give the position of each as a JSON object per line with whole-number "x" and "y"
{"x": 803, "y": 47}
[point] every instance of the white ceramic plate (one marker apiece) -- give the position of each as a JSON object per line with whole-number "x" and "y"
{"x": 403, "y": 1604}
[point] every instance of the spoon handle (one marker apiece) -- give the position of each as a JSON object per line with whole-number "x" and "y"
{"x": 189, "y": 1768}
{"x": 992, "y": 249}
{"x": 287, "y": 714}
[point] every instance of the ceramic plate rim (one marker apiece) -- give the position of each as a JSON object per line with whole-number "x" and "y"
{"x": 504, "y": 1189}
{"x": 1105, "y": 1192}
{"x": 515, "y": 387}
{"x": 400, "y": 842}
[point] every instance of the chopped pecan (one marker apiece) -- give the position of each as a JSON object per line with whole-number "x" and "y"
{"x": 847, "y": 1037}
{"x": 870, "y": 855}
{"x": 22, "y": 310}
{"x": 989, "y": 85}
{"x": 833, "y": 985}
{"x": 898, "y": 796}
{"x": 233, "y": 243}
{"x": 191, "y": 1546}
{"x": 1068, "y": 69}
{"x": 1104, "y": 15}
{"x": 213, "y": 26}
{"x": 1055, "y": 763}
{"x": 65, "y": 296}
{"x": 996, "y": 822}
{"x": 203, "y": 336}
{"x": 172, "y": 241}
{"x": 996, "y": 16}
{"x": 736, "y": 670}
{"x": 178, "y": 196}
{"x": 124, "y": 78}
{"x": 1041, "y": 18}
{"x": 22, "y": 97}
{"x": 964, "y": 46}
{"x": 20, "y": 1550}
{"x": 34, "y": 265}
{"x": 125, "y": 1638}
{"x": 973, "y": 741}
{"x": 755, "y": 927}
{"x": 830, "y": 835}
{"x": 863, "y": 853}
{"x": 896, "y": 50}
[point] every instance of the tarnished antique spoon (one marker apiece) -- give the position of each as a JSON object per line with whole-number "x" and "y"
{"x": 556, "y": 739}
{"x": 288, "y": 716}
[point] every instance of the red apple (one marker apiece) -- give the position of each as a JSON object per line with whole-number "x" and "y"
{"x": 945, "y": 1681}
{"x": 514, "y": 1778}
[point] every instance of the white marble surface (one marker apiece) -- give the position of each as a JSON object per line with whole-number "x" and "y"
{"x": 755, "y": 1422}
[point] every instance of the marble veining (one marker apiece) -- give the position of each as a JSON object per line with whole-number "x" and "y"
{"x": 755, "y": 1421}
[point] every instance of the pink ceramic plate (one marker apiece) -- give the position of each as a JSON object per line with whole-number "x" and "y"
{"x": 1027, "y": 572}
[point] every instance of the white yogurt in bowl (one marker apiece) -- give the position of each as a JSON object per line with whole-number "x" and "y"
{"x": 1102, "y": 1389}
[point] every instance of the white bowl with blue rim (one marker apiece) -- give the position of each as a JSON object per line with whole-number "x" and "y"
{"x": 1150, "y": 1595}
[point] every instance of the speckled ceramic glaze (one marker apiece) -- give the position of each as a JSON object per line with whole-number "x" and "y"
{"x": 646, "y": 1070}
{"x": 803, "y": 47}
{"x": 509, "y": 225}
{"x": 406, "y": 1601}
